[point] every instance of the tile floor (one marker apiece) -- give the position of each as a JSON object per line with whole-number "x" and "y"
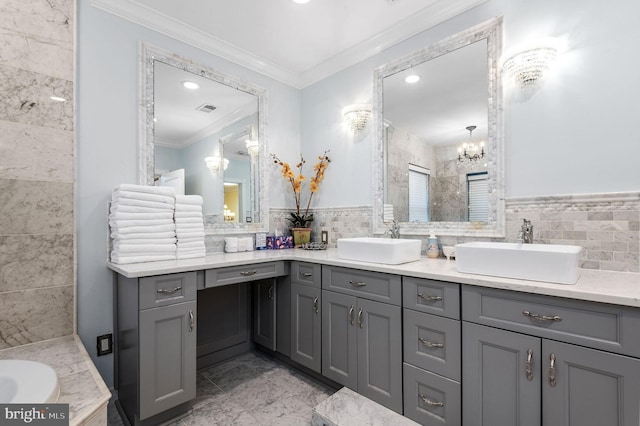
{"x": 253, "y": 389}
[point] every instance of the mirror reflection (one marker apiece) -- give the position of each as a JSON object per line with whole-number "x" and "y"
{"x": 203, "y": 136}
{"x": 439, "y": 134}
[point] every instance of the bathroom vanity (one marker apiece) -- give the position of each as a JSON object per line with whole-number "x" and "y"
{"x": 417, "y": 338}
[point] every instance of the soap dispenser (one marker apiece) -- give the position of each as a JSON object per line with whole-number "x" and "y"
{"x": 432, "y": 247}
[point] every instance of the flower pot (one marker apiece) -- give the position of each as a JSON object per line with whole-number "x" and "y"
{"x": 301, "y": 236}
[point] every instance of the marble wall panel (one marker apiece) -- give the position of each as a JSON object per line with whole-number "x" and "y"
{"x": 35, "y": 153}
{"x": 37, "y": 35}
{"x": 34, "y": 261}
{"x": 35, "y": 207}
{"x": 34, "y": 315}
{"x": 26, "y": 99}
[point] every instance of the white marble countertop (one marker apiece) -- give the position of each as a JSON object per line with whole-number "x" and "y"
{"x": 81, "y": 386}
{"x": 620, "y": 288}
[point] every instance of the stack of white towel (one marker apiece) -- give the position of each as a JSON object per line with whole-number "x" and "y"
{"x": 189, "y": 226}
{"x": 142, "y": 225}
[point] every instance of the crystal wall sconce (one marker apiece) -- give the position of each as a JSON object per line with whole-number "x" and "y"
{"x": 356, "y": 116}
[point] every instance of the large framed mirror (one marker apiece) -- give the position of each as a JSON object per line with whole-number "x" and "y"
{"x": 204, "y": 133}
{"x": 440, "y": 140}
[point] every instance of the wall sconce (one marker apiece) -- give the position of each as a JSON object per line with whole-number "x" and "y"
{"x": 470, "y": 152}
{"x": 213, "y": 163}
{"x": 356, "y": 116}
{"x": 527, "y": 64}
{"x": 252, "y": 148}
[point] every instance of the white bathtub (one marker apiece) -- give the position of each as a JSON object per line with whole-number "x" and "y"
{"x": 27, "y": 382}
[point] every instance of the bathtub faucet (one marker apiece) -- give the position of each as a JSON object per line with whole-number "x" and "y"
{"x": 394, "y": 230}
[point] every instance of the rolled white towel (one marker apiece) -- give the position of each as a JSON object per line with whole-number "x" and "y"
{"x": 121, "y": 260}
{"x": 125, "y": 223}
{"x": 189, "y": 199}
{"x": 144, "y": 248}
{"x": 142, "y": 203}
{"x": 165, "y": 214}
{"x": 161, "y": 190}
{"x": 190, "y": 255}
{"x": 149, "y": 229}
{"x": 188, "y": 208}
{"x": 143, "y": 196}
{"x": 138, "y": 235}
{"x": 182, "y": 215}
{"x": 137, "y": 209}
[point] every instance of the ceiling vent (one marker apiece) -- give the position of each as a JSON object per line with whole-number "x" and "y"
{"x": 206, "y": 108}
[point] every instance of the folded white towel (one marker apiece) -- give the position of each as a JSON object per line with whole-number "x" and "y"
{"x": 133, "y": 241}
{"x": 144, "y": 248}
{"x": 150, "y": 229}
{"x": 142, "y": 196}
{"x": 231, "y": 244}
{"x": 188, "y": 208}
{"x": 120, "y": 208}
{"x": 181, "y": 215}
{"x": 125, "y": 223}
{"x": 190, "y": 235}
{"x": 194, "y": 219}
{"x": 191, "y": 240}
{"x": 195, "y": 244}
{"x": 162, "y": 190}
{"x": 189, "y": 199}
{"x": 245, "y": 244}
{"x": 141, "y": 203}
{"x": 166, "y": 214}
{"x": 138, "y": 235}
{"x": 190, "y": 255}
{"x": 119, "y": 259}
{"x": 190, "y": 226}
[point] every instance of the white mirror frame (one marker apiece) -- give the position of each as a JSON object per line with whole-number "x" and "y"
{"x": 495, "y": 226}
{"x": 146, "y": 167}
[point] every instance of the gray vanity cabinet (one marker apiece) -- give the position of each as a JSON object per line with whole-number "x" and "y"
{"x": 306, "y": 315}
{"x": 264, "y": 313}
{"x": 362, "y": 338}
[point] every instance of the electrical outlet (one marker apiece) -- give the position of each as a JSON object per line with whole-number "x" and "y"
{"x": 325, "y": 237}
{"x": 105, "y": 344}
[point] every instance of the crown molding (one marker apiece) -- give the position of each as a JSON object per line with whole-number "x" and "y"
{"x": 436, "y": 13}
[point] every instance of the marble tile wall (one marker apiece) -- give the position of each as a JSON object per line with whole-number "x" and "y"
{"x": 37, "y": 265}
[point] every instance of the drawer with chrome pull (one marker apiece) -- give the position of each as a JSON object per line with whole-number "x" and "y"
{"x": 376, "y": 286}
{"x": 306, "y": 273}
{"x": 243, "y": 273}
{"x": 612, "y": 328}
{"x": 168, "y": 289}
{"x": 430, "y": 399}
{"x": 432, "y": 343}
{"x": 431, "y": 296}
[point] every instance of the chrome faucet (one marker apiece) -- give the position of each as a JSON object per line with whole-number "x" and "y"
{"x": 526, "y": 232}
{"x": 394, "y": 230}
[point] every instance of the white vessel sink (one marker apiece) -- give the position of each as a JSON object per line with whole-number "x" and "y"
{"x": 536, "y": 262}
{"x": 27, "y": 382}
{"x": 379, "y": 250}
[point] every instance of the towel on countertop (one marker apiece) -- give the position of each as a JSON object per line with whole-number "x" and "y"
{"x": 188, "y": 208}
{"x": 166, "y": 214}
{"x": 121, "y": 248}
{"x": 195, "y": 244}
{"x": 122, "y": 259}
{"x": 197, "y": 234}
{"x": 191, "y": 240}
{"x": 141, "y": 196}
{"x": 138, "y": 209}
{"x": 150, "y": 229}
{"x": 160, "y": 190}
{"x": 190, "y": 255}
{"x": 185, "y": 220}
{"x": 140, "y": 203}
{"x": 189, "y": 199}
{"x": 184, "y": 215}
{"x": 231, "y": 244}
{"x": 126, "y": 223}
{"x": 245, "y": 244}
{"x": 190, "y": 226}
{"x": 138, "y": 235}
{"x": 133, "y": 241}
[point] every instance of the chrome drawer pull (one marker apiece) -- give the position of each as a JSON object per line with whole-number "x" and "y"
{"x": 307, "y": 274}
{"x": 248, "y": 273}
{"x": 191, "y": 321}
{"x": 429, "y": 297}
{"x": 430, "y": 344}
{"x": 315, "y": 305}
{"x": 357, "y": 283}
{"x": 168, "y": 290}
{"x": 539, "y": 317}
{"x": 552, "y": 370}
{"x": 351, "y": 314}
{"x": 430, "y": 402}
{"x": 529, "y": 365}
{"x": 360, "y": 322}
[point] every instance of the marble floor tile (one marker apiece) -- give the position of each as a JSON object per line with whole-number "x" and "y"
{"x": 252, "y": 389}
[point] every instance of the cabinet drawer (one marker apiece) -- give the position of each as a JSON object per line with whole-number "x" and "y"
{"x": 306, "y": 273}
{"x": 430, "y": 399}
{"x": 432, "y": 343}
{"x": 369, "y": 285}
{"x": 432, "y": 297}
{"x": 243, "y": 273}
{"x": 609, "y": 327}
{"x": 167, "y": 289}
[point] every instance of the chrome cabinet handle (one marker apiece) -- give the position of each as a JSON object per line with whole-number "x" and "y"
{"x": 357, "y": 283}
{"x": 430, "y": 402}
{"x": 360, "y": 322}
{"x": 307, "y": 274}
{"x": 429, "y": 297}
{"x": 351, "y": 314}
{"x": 539, "y": 317}
{"x": 248, "y": 273}
{"x": 191, "y": 321}
{"x": 315, "y": 305}
{"x": 270, "y": 292}
{"x": 168, "y": 290}
{"x": 552, "y": 370}
{"x": 430, "y": 344}
{"x": 529, "y": 365}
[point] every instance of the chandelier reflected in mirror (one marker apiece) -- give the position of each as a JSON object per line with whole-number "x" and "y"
{"x": 470, "y": 152}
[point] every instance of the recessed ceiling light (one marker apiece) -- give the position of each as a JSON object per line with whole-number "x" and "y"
{"x": 413, "y": 78}
{"x": 190, "y": 85}
{"x": 301, "y": 1}
{"x": 57, "y": 99}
